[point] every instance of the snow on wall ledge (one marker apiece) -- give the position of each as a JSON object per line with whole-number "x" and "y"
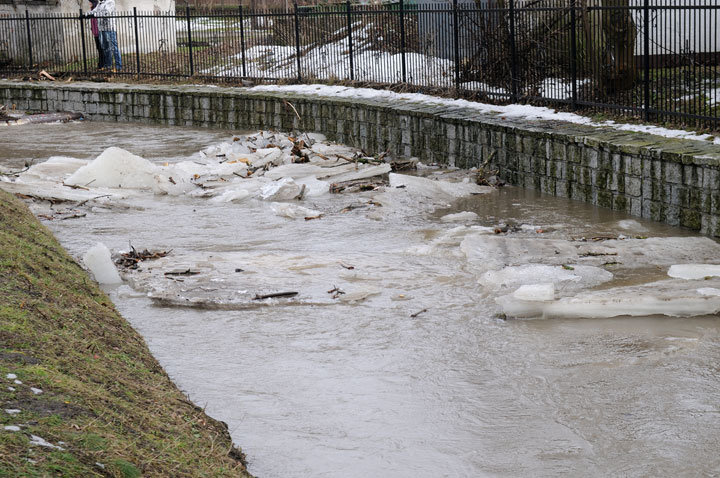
{"x": 665, "y": 178}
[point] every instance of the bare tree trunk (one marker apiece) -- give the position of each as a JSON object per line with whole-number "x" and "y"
{"x": 610, "y": 45}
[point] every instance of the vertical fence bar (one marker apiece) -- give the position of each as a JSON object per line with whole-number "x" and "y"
{"x": 456, "y": 46}
{"x": 573, "y": 53}
{"x": 513, "y": 54}
{"x": 297, "y": 41}
{"x": 82, "y": 36}
{"x": 29, "y": 40}
{"x": 350, "y": 39}
{"x": 242, "y": 41}
{"x": 189, "y": 36}
{"x": 137, "y": 42}
{"x": 402, "y": 41}
{"x": 646, "y": 56}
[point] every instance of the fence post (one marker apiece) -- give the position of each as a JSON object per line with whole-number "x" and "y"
{"x": 573, "y": 53}
{"x": 137, "y": 42}
{"x": 82, "y": 36}
{"x": 29, "y": 39}
{"x": 350, "y": 43}
{"x": 242, "y": 41}
{"x": 187, "y": 16}
{"x": 297, "y": 41}
{"x": 646, "y": 57}
{"x": 456, "y": 46}
{"x": 513, "y": 55}
{"x": 402, "y": 40}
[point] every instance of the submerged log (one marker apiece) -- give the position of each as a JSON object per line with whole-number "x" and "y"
{"x": 20, "y": 119}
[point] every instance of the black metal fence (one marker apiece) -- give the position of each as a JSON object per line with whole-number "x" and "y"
{"x": 656, "y": 59}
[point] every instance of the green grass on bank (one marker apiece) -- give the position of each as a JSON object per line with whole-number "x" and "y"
{"x": 106, "y": 406}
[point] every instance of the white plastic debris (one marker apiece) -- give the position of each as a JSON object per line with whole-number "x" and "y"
{"x": 36, "y": 391}
{"x": 12, "y": 411}
{"x": 17, "y": 382}
{"x": 694, "y": 271}
{"x": 12, "y": 428}
{"x": 465, "y": 216}
{"x": 11, "y": 376}
{"x": 98, "y": 260}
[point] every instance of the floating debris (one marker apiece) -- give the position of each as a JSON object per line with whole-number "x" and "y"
{"x": 131, "y": 259}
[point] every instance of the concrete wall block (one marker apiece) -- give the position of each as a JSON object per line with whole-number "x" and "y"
{"x": 671, "y": 214}
{"x": 710, "y": 178}
{"x": 589, "y": 157}
{"x": 673, "y": 173}
{"x": 692, "y": 175}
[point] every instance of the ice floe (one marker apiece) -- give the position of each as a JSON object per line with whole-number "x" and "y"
{"x": 694, "y": 271}
{"x": 668, "y": 298}
{"x": 100, "y": 263}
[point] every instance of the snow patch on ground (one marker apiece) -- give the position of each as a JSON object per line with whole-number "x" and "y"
{"x": 528, "y": 112}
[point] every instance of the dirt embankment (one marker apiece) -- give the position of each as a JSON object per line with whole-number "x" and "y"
{"x": 80, "y": 393}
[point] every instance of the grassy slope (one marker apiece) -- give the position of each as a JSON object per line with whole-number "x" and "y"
{"x": 104, "y": 395}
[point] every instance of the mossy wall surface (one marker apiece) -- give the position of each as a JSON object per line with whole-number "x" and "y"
{"x": 668, "y": 180}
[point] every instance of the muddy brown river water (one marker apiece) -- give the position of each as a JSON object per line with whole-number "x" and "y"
{"x": 422, "y": 378}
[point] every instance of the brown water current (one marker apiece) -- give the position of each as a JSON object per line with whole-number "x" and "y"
{"x": 423, "y": 378}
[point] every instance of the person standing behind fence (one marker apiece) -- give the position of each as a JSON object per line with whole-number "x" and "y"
{"x": 108, "y": 37}
{"x": 96, "y": 36}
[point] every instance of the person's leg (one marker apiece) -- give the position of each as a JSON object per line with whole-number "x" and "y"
{"x": 112, "y": 37}
{"x": 101, "y": 55}
{"x": 105, "y": 45}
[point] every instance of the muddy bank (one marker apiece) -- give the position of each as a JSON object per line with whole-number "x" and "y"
{"x": 81, "y": 394}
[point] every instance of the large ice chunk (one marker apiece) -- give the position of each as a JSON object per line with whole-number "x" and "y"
{"x": 436, "y": 188}
{"x": 694, "y": 271}
{"x": 567, "y": 278}
{"x": 55, "y": 168}
{"x": 494, "y": 252}
{"x": 231, "y": 195}
{"x": 465, "y": 216}
{"x": 116, "y": 168}
{"x": 98, "y": 260}
{"x": 281, "y": 190}
{"x": 672, "y": 298}
{"x": 293, "y": 211}
{"x": 536, "y": 292}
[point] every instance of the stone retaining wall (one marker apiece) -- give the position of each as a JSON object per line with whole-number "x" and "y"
{"x": 667, "y": 180}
